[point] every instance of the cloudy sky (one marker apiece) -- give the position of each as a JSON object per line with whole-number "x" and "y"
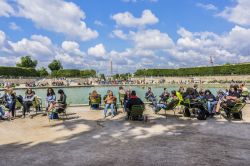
{"x": 135, "y": 34}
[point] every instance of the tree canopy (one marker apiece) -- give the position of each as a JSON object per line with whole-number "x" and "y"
{"x": 55, "y": 65}
{"x": 43, "y": 72}
{"x": 27, "y": 62}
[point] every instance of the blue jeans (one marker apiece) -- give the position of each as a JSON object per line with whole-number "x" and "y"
{"x": 159, "y": 106}
{"x": 125, "y": 105}
{"x": 210, "y": 106}
{"x": 1, "y": 112}
{"x": 111, "y": 106}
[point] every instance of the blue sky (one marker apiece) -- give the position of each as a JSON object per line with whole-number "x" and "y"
{"x": 133, "y": 33}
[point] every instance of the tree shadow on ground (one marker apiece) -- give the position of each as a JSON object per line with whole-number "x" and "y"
{"x": 118, "y": 142}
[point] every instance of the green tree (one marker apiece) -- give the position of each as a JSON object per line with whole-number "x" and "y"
{"x": 55, "y": 65}
{"x": 103, "y": 77}
{"x": 27, "y": 62}
{"x": 43, "y": 72}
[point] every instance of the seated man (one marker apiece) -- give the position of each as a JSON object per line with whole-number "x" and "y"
{"x": 133, "y": 100}
{"x": 164, "y": 96}
{"x": 170, "y": 105}
{"x": 62, "y": 102}
{"x": 150, "y": 96}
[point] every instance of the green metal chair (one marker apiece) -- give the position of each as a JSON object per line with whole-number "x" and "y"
{"x": 136, "y": 112}
{"x": 234, "y": 112}
{"x": 95, "y": 101}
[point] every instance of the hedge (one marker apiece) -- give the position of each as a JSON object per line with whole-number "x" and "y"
{"x": 18, "y": 72}
{"x": 73, "y": 73}
{"x": 238, "y": 69}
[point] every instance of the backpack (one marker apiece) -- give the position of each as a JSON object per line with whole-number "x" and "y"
{"x": 201, "y": 114}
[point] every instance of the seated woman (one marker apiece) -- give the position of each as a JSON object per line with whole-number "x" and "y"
{"x": 110, "y": 102}
{"x": 94, "y": 100}
{"x": 10, "y": 100}
{"x": 171, "y": 104}
{"x": 27, "y": 101}
{"x": 62, "y": 103}
{"x": 51, "y": 97}
{"x": 2, "y": 113}
{"x": 210, "y": 101}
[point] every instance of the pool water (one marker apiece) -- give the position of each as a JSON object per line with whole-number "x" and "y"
{"x": 79, "y": 95}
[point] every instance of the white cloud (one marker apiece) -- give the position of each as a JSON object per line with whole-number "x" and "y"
{"x": 98, "y": 50}
{"x": 126, "y": 19}
{"x": 70, "y": 45}
{"x": 31, "y": 47}
{"x": 99, "y": 23}
{"x": 207, "y": 6}
{"x": 2, "y": 38}
{"x": 58, "y": 16}
{"x": 146, "y": 39}
{"x": 13, "y": 26}
{"x": 5, "y": 9}
{"x": 238, "y": 14}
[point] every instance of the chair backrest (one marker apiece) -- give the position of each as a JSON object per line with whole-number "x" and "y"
{"x": 238, "y": 107}
{"x": 245, "y": 94}
{"x": 95, "y": 100}
{"x": 137, "y": 110}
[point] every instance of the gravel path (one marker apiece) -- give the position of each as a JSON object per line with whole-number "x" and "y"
{"x": 86, "y": 139}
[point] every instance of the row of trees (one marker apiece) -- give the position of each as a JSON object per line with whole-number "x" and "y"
{"x": 239, "y": 69}
{"x": 27, "y": 62}
{"x": 26, "y": 67}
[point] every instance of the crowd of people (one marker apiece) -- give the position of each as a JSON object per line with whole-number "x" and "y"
{"x": 9, "y": 101}
{"x": 204, "y": 98}
{"x": 127, "y": 99}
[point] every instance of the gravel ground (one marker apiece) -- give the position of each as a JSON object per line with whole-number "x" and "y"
{"x": 87, "y": 139}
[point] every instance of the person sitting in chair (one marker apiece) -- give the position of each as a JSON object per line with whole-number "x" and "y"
{"x": 95, "y": 100}
{"x": 62, "y": 104}
{"x": 171, "y": 104}
{"x": 150, "y": 96}
{"x": 231, "y": 99}
{"x": 110, "y": 102}
{"x": 164, "y": 96}
{"x": 27, "y": 101}
{"x": 133, "y": 100}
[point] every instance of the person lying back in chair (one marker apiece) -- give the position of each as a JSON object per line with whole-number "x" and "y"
{"x": 170, "y": 105}
{"x": 133, "y": 100}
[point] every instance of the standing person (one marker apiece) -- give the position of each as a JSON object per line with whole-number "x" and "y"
{"x": 121, "y": 95}
{"x": 27, "y": 101}
{"x": 51, "y": 97}
{"x": 126, "y": 98}
{"x": 109, "y": 101}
